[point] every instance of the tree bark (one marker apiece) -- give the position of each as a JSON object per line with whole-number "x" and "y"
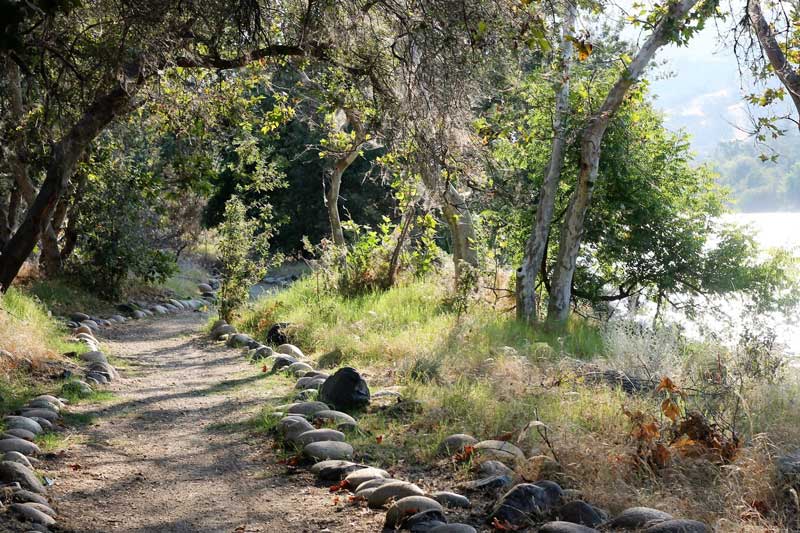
{"x": 462, "y": 229}
{"x": 71, "y": 229}
{"x": 572, "y": 231}
{"x": 50, "y": 257}
{"x": 527, "y": 305}
{"x": 64, "y": 156}
{"x": 769, "y": 45}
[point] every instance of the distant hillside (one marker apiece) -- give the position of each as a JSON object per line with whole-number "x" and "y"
{"x": 761, "y": 178}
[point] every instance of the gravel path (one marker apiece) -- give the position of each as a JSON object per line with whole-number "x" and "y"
{"x": 173, "y": 452}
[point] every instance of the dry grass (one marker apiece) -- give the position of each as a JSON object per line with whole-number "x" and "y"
{"x": 485, "y": 374}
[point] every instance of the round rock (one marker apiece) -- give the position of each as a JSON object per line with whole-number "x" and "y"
{"x": 451, "y": 499}
{"x": 638, "y": 517}
{"x": 23, "y": 422}
{"x": 31, "y": 514}
{"x": 17, "y": 457}
{"x": 334, "y": 469}
{"x": 407, "y": 506}
{"x": 291, "y": 426}
{"x": 318, "y": 435}
{"x": 359, "y": 477}
{"x": 20, "y": 434}
{"x": 341, "y": 420}
{"x": 290, "y": 349}
{"x": 396, "y": 490}
{"x": 11, "y": 472}
{"x": 580, "y": 512}
{"x": 679, "y": 526}
{"x": 307, "y": 408}
{"x": 19, "y": 445}
{"x": 328, "y": 450}
{"x": 24, "y": 496}
{"x": 565, "y": 527}
{"x": 299, "y": 368}
{"x": 455, "y": 443}
{"x": 499, "y": 450}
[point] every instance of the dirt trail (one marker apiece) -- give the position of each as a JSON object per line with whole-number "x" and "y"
{"x": 174, "y": 453}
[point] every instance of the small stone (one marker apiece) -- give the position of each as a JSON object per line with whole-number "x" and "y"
{"x": 343, "y": 421}
{"x": 46, "y": 424}
{"x": 423, "y": 521}
{"x": 495, "y": 468}
{"x": 204, "y": 287}
{"x": 290, "y": 349}
{"x": 454, "y": 444}
{"x": 371, "y": 485}
{"x": 451, "y": 499}
{"x": 51, "y": 399}
{"x": 318, "y": 435}
{"x": 91, "y": 324}
{"x": 22, "y": 422}
{"x": 334, "y": 469}
{"x": 11, "y": 472}
{"x": 453, "y": 528}
{"x": 328, "y": 450}
{"x": 20, "y": 434}
{"x": 291, "y": 427}
{"x": 99, "y": 377}
{"x": 19, "y": 445}
{"x": 47, "y": 414}
{"x": 282, "y": 361}
{"x": 303, "y": 383}
{"x": 32, "y": 514}
{"x": 79, "y": 317}
{"x": 580, "y": 512}
{"x": 638, "y": 517}
{"x": 262, "y": 352}
{"x": 94, "y": 357}
{"x": 565, "y": 527}
{"x": 499, "y": 450}
{"x": 223, "y": 329}
{"x": 307, "y": 408}
{"x": 43, "y": 404}
{"x": 361, "y": 476}
{"x": 395, "y": 490}
{"x": 23, "y": 496}
{"x": 408, "y": 505}
{"x": 487, "y": 484}
{"x": 299, "y": 368}
{"x": 18, "y": 457}
{"x": 679, "y": 526}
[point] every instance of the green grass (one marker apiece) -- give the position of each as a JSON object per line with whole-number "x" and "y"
{"x": 184, "y": 283}
{"x": 63, "y": 297}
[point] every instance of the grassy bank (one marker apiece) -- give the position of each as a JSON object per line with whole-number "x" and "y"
{"x": 486, "y": 374}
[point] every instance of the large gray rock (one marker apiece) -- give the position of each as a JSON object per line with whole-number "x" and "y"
{"x": 318, "y": 435}
{"x": 105, "y": 367}
{"x": 490, "y": 483}
{"x": 392, "y": 491}
{"x": 495, "y": 468}
{"x": 47, "y": 414}
{"x": 408, "y": 506}
{"x": 22, "y": 446}
{"x": 78, "y": 317}
{"x": 94, "y": 357}
{"x": 638, "y": 517}
{"x": 453, "y": 444}
{"x": 282, "y": 361}
{"x": 43, "y": 404}
{"x": 423, "y": 521}
{"x": 31, "y": 514}
{"x": 52, "y": 399}
{"x": 679, "y": 526}
{"x": 11, "y": 472}
{"x": 371, "y": 485}
{"x": 222, "y": 329}
{"x": 328, "y": 450}
{"x": 239, "y": 340}
{"x": 345, "y": 390}
{"x": 789, "y": 469}
{"x": 22, "y": 422}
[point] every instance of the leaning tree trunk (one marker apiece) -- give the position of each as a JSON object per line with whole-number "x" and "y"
{"x": 64, "y": 156}
{"x": 49, "y": 238}
{"x": 572, "y": 231}
{"x": 462, "y": 230}
{"x": 527, "y": 305}
{"x": 789, "y": 77}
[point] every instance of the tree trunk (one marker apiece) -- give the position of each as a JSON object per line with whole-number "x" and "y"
{"x": 64, "y": 156}
{"x": 769, "y": 45}
{"x": 49, "y": 239}
{"x": 5, "y": 228}
{"x": 13, "y": 209}
{"x": 332, "y": 196}
{"x": 527, "y": 305}
{"x": 71, "y": 230}
{"x": 462, "y": 230}
{"x": 572, "y": 231}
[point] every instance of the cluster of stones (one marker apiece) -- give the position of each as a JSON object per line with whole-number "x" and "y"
{"x": 98, "y": 370}
{"x": 544, "y": 504}
{"x": 317, "y": 425}
{"x": 20, "y": 488}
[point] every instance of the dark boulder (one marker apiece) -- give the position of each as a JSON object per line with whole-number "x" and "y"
{"x": 277, "y": 334}
{"x": 346, "y": 389}
{"x": 526, "y": 503}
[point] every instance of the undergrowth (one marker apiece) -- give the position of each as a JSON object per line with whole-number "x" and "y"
{"x": 486, "y": 374}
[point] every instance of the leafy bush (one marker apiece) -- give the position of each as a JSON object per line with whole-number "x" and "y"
{"x": 241, "y": 256}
